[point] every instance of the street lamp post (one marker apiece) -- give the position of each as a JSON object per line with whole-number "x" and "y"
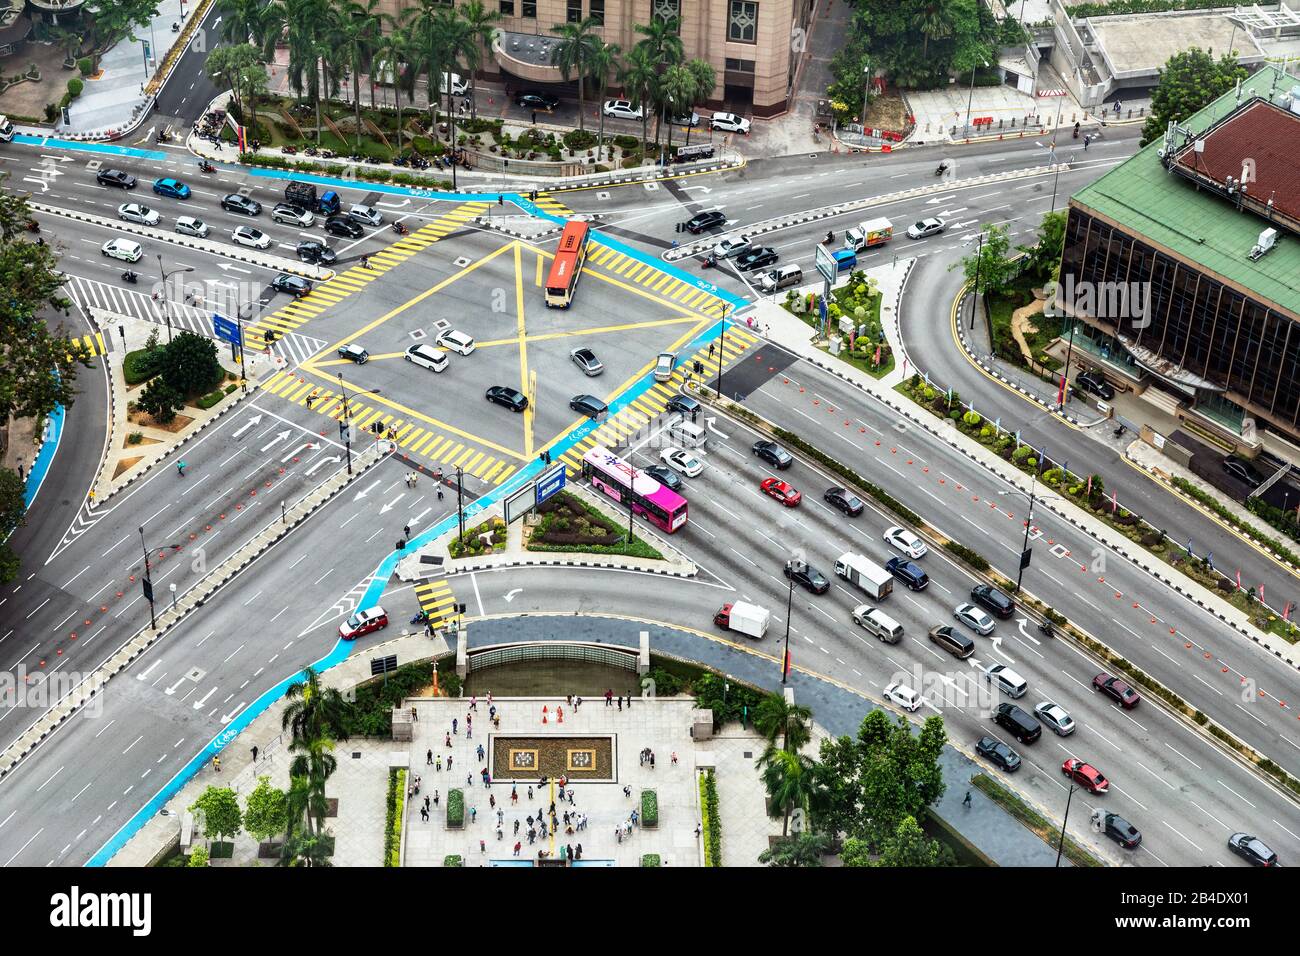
{"x": 148, "y": 577}
{"x": 1029, "y": 518}
{"x": 460, "y": 503}
{"x": 866, "y": 96}
{"x": 785, "y": 655}
{"x": 1061, "y": 843}
{"x": 1056, "y": 127}
{"x": 971, "y": 99}
{"x": 722, "y": 343}
{"x": 347, "y": 422}
{"x": 167, "y": 314}
{"x": 1065, "y": 373}
{"x": 975, "y": 292}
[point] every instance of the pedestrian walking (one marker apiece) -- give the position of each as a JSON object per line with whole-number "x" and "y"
{"x": 698, "y": 828}
{"x": 530, "y": 793}
{"x": 473, "y": 702}
{"x": 448, "y": 741}
{"x": 618, "y": 833}
{"x": 428, "y": 756}
{"x": 449, "y": 761}
{"x": 440, "y": 492}
{"x": 455, "y": 724}
{"x": 966, "y": 800}
{"x": 620, "y": 703}
{"x": 492, "y": 712}
{"x": 435, "y": 798}
{"x": 480, "y": 751}
{"x": 254, "y": 754}
{"x": 578, "y": 855}
{"x": 492, "y": 802}
{"x": 577, "y": 703}
{"x": 216, "y": 763}
{"x": 609, "y": 697}
{"x": 568, "y": 699}
{"x": 532, "y": 835}
{"x": 711, "y": 348}
{"x": 500, "y": 833}
{"x": 426, "y": 801}
{"x": 473, "y": 814}
{"x": 629, "y": 701}
{"x": 496, "y": 721}
{"x": 674, "y": 760}
{"x": 627, "y": 791}
{"x": 469, "y": 780}
{"x": 642, "y": 756}
{"x": 482, "y": 846}
{"x": 424, "y": 814}
{"x": 570, "y": 793}
{"x": 514, "y": 794}
{"x": 518, "y": 845}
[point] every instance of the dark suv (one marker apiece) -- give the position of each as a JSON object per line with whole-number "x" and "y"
{"x": 115, "y": 177}
{"x": 234, "y": 202}
{"x": 909, "y": 573}
{"x": 315, "y": 252}
{"x": 588, "y": 405}
{"x": 1018, "y": 723}
{"x": 772, "y": 453}
{"x": 705, "y": 220}
{"x": 1096, "y": 383}
{"x": 294, "y": 285}
{"x": 991, "y": 599}
{"x": 684, "y": 404}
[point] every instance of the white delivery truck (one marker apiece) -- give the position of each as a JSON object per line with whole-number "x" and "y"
{"x": 748, "y": 619}
{"x": 6, "y": 130}
{"x": 872, "y": 232}
{"x": 874, "y": 580}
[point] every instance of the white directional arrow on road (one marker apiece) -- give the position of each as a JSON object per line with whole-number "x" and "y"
{"x": 1025, "y": 634}
{"x": 389, "y": 507}
{"x": 279, "y": 437}
{"x": 231, "y": 716}
{"x": 255, "y": 420}
{"x": 713, "y": 428}
{"x": 703, "y": 189}
{"x": 997, "y": 646}
{"x": 324, "y": 461}
{"x": 938, "y": 199}
{"x": 365, "y": 491}
{"x": 306, "y": 446}
{"x": 416, "y": 519}
{"x": 199, "y": 703}
{"x": 148, "y": 672}
{"x": 394, "y": 205}
{"x": 171, "y": 690}
{"x": 227, "y": 266}
{"x": 953, "y": 212}
{"x": 510, "y": 596}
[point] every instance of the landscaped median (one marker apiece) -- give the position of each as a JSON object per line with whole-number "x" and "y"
{"x": 1048, "y": 831}
{"x": 979, "y": 567}
{"x": 393, "y": 824}
{"x": 569, "y": 524}
{"x": 710, "y": 825}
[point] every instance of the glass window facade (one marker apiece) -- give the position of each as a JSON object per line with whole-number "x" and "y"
{"x": 1191, "y": 319}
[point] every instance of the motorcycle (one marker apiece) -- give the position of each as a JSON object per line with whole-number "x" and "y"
{"x": 1119, "y": 432}
{"x": 289, "y": 150}
{"x": 400, "y": 228}
{"x": 33, "y": 225}
{"x": 130, "y": 276}
{"x": 943, "y": 168}
{"x": 309, "y": 151}
{"x": 206, "y": 167}
{"x": 420, "y": 618}
{"x": 710, "y": 262}
{"x": 1045, "y": 628}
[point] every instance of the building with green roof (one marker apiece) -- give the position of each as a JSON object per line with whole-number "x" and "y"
{"x": 1181, "y": 266}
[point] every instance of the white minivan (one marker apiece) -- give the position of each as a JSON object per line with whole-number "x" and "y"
{"x": 426, "y": 356}
{"x": 459, "y": 85}
{"x": 687, "y": 434}
{"x": 1006, "y": 680}
{"x": 457, "y": 341}
{"x": 878, "y": 623}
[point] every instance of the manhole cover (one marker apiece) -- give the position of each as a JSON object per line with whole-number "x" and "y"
{"x": 195, "y": 675}
{"x": 602, "y": 195}
{"x": 651, "y": 186}
{"x": 442, "y": 325}
{"x": 462, "y": 262}
{"x": 418, "y": 334}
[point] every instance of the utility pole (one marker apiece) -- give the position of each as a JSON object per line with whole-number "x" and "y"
{"x": 148, "y": 580}
{"x": 1061, "y": 843}
{"x": 1029, "y": 520}
{"x": 460, "y": 503}
{"x": 785, "y": 655}
{"x": 345, "y": 427}
{"x": 722, "y": 345}
{"x": 975, "y": 292}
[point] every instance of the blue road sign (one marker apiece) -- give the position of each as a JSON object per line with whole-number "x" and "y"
{"x": 226, "y": 329}
{"x": 549, "y": 482}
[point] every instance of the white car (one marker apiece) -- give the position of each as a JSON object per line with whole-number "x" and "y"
{"x": 729, "y": 122}
{"x": 926, "y": 227}
{"x": 904, "y": 697}
{"x": 292, "y": 215}
{"x": 134, "y": 212}
{"x": 190, "y": 226}
{"x": 730, "y": 247}
{"x": 1056, "y": 717}
{"x": 691, "y": 119}
{"x": 427, "y": 356}
{"x": 905, "y": 541}
{"x": 623, "y": 109}
{"x": 123, "y": 249}
{"x": 683, "y": 461}
{"x": 366, "y": 215}
{"x": 253, "y": 238}
{"x": 977, "y": 619}
{"x": 456, "y": 341}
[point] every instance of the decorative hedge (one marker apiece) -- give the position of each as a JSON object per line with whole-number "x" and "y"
{"x": 650, "y": 859}
{"x": 711, "y": 824}
{"x": 393, "y": 826}
{"x": 649, "y": 809}
{"x": 455, "y": 809}
{"x": 849, "y": 475}
{"x": 453, "y": 860}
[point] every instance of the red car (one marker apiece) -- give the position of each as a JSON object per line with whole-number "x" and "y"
{"x": 1085, "y": 775}
{"x": 363, "y": 622}
{"x": 781, "y": 491}
{"x": 1120, "y": 691}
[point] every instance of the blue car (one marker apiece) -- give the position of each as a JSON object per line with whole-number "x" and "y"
{"x": 171, "y": 187}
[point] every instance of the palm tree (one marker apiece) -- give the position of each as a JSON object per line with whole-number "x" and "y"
{"x": 574, "y": 52}
{"x": 788, "y": 778}
{"x": 244, "y": 21}
{"x": 436, "y": 31}
{"x": 306, "y": 25}
{"x": 676, "y": 90}
{"x": 774, "y": 718}
{"x": 604, "y": 59}
{"x": 638, "y": 75}
{"x": 663, "y": 44}
{"x": 316, "y": 763}
{"x": 313, "y": 711}
{"x": 480, "y": 25}
{"x": 392, "y": 54}
{"x": 803, "y": 850}
{"x": 933, "y": 23}
{"x": 706, "y": 78}
{"x": 352, "y": 32}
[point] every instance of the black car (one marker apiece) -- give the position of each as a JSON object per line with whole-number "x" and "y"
{"x": 705, "y": 220}
{"x": 684, "y": 404}
{"x": 772, "y": 453}
{"x": 1243, "y": 470}
{"x": 1018, "y": 723}
{"x": 315, "y": 252}
{"x": 234, "y": 202}
{"x": 1252, "y": 849}
{"x": 1121, "y": 831}
{"x": 343, "y": 226}
{"x": 998, "y": 753}
{"x": 533, "y": 100}
{"x": 294, "y": 285}
{"x": 115, "y": 177}
{"x": 1095, "y": 382}
{"x": 756, "y": 258}
{"x": 845, "y": 500}
{"x": 512, "y": 399}
{"x": 806, "y": 576}
{"x": 908, "y": 572}
{"x": 588, "y": 405}
{"x": 991, "y": 599}
{"x": 665, "y": 476}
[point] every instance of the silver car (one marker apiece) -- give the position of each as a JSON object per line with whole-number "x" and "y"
{"x": 365, "y": 215}
{"x": 292, "y": 215}
{"x": 1056, "y": 717}
{"x": 134, "y": 212}
{"x": 586, "y": 360}
{"x": 190, "y": 226}
{"x": 977, "y": 619}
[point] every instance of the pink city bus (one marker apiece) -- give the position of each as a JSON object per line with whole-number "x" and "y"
{"x": 660, "y": 506}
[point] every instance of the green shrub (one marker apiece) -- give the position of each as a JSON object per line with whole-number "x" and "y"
{"x": 393, "y": 827}
{"x": 711, "y": 824}
{"x": 75, "y": 86}
{"x": 579, "y": 139}
{"x": 649, "y": 809}
{"x": 455, "y": 808}
{"x": 969, "y": 555}
{"x": 453, "y": 859}
{"x": 1021, "y": 453}
{"x": 210, "y": 399}
{"x": 135, "y": 438}
{"x": 86, "y": 66}
{"x": 51, "y": 111}
{"x": 650, "y": 859}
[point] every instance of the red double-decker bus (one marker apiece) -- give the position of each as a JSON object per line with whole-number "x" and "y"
{"x": 569, "y": 257}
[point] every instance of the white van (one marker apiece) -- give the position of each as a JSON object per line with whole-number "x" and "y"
{"x": 878, "y": 623}
{"x": 687, "y": 434}
{"x": 459, "y": 85}
{"x": 6, "y": 130}
{"x": 1007, "y": 680}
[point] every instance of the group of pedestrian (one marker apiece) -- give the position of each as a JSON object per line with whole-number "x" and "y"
{"x": 412, "y": 479}
{"x": 610, "y": 700}
{"x": 648, "y": 757}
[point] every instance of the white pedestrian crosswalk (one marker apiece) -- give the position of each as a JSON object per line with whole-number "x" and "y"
{"x": 86, "y": 293}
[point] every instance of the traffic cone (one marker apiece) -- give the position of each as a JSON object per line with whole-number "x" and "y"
{"x": 544, "y": 712}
